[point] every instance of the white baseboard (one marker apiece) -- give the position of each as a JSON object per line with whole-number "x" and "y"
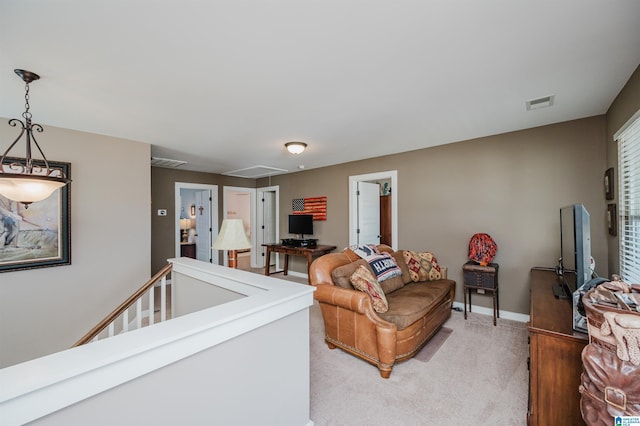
{"x": 514, "y": 316}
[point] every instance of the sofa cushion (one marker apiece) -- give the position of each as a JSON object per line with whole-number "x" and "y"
{"x": 342, "y": 274}
{"x": 423, "y": 266}
{"x": 414, "y": 300}
{"x": 364, "y": 280}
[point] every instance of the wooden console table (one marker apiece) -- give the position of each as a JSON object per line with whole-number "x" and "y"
{"x": 555, "y": 364}
{"x": 309, "y": 252}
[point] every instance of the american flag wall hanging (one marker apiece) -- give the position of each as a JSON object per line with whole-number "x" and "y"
{"x": 316, "y": 206}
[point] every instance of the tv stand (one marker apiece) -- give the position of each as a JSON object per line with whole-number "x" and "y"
{"x": 554, "y": 355}
{"x": 310, "y": 253}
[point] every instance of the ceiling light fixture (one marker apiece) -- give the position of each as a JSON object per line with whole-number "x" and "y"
{"x": 28, "y": 180}
{"x": 295, "y": 147}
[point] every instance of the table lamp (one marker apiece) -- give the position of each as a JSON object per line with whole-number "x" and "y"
{"x": 232, "y": 238}
{"x": 184, "y": 225}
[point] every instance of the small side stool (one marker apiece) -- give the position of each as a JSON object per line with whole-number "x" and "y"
{"x": 482, "y": 279}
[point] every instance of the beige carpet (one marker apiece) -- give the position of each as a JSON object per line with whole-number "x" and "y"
{"x": 472, "y": 374}
{"x": 477, "y": 376}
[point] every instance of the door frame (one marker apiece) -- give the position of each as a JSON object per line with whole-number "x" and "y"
{"x": 214, "y": 212}
{"x": 260, "y": 220}
{"x": 252, "y": 215}
{"x": 353, "y": 203}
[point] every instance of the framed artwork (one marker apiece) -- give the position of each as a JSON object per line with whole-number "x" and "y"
{"x": 316, "y": 206}
{"x": 612, "y": 219}
{"x": 608, "y": 183}
{"x": 37, "y": 236}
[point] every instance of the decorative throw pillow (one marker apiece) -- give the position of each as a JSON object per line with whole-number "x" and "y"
{"x": 384, "y": 266}
{"x": 365, "y": 251}
{"x": 363, "y": 280}
{"x": 422, "y": 266}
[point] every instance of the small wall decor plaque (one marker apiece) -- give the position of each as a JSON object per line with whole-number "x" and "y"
{"x": 612, "y": 219}
{"x": 608, "y": 184}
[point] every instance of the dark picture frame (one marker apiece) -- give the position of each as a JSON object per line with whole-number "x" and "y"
{"x": 608, "y": 184}
{"x": 612, "y": 219}
{"x": 38, "y": 236}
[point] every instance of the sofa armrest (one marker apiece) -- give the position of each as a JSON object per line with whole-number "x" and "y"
{"x": 352, "y": 300}
{"x": 342, "y": 297}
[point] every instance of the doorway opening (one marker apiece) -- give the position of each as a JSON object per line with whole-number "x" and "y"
{"x": 267, "y": 224}
{"x": 196, "y": 213}
{"x": 373, "y": 208}
{"x": 239, "y": 203}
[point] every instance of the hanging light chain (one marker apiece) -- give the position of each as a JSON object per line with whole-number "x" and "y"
{"x": 26, "y": 114}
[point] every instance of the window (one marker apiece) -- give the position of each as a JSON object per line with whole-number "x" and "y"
{"x": 629, "y": 200}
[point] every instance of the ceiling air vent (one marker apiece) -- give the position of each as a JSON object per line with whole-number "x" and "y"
{"x": 255, "y": 172}
{"x": 545, "y": 101}
{"x": 166, "y": 162}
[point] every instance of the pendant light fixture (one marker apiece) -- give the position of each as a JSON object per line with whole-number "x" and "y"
{"x": 28, "y": 180}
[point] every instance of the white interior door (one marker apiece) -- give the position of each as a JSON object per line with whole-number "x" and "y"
{"x": 368, "y": 213}
{"x": 203, "y": 226}
{"x": 266, "y": 223}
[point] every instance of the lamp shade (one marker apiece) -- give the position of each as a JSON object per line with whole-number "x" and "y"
{"x": 232, "y": 236}
{"x": 28, "y": 189}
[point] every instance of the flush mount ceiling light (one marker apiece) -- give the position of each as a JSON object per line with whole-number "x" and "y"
{"x": 295, "y": 147}
{"x": 545, "y": 101}
{"x": 28, "y": 180}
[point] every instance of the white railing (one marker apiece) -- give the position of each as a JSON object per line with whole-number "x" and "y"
{"x": 233, "y": 335}
{"x": 118, "y": 320}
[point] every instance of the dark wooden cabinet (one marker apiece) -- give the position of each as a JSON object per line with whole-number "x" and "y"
{"x": 385, "y": 219}
{"x": 188, "y": 250}
{"x": 555, "y": 364}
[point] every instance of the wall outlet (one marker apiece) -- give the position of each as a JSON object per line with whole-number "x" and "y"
{"x": 162, "y": 212}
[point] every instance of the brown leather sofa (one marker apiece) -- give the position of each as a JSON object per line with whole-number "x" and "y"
{"x": 416, "y": 312}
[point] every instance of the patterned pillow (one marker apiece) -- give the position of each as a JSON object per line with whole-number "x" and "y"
{"x": 365, "y": 251}
{"x": 422, "y": 266}
{"x": 384, "y": 266}
{"x": 363, "y": 280}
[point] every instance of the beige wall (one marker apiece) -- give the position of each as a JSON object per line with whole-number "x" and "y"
{"x": 510, "y": 186}
{"x": 626, "y": 104}
{"x": 163, "y": 233}
{"x": 46, "y": 310}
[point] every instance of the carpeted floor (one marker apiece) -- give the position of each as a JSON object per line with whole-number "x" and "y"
{"x": 470, "y": 373}
{"x": 478, "y": 375}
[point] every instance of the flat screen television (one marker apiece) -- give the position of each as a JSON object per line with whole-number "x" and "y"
{"x": 575, "y": 259}
{"x": 575, "y": 244}
{"x": 301, "y": 224}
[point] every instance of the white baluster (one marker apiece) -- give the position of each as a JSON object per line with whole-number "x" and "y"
{"x": 139, "y": 313}
{"x": 125, "y": 321}
{"x": 163, "y": 299}
{"x": 111, "y": 329}
{"x": 152, "y": 303}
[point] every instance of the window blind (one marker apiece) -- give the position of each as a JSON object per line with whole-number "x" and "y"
{"x": 629, "y": 201}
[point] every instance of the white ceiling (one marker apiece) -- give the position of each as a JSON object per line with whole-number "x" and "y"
{"x": 224, "y": 84}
